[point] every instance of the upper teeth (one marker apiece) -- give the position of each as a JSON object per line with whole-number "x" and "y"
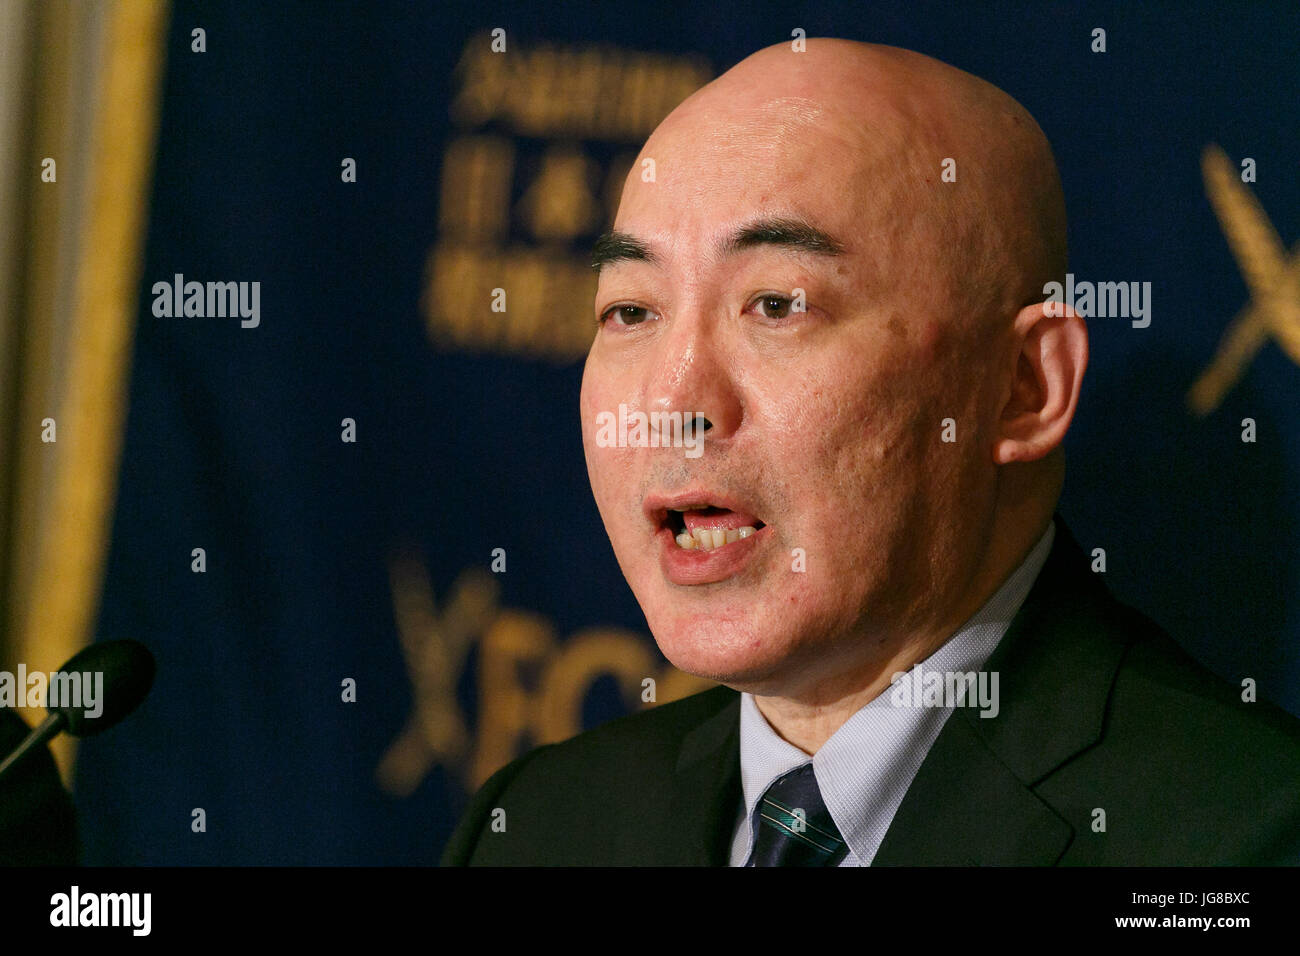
{"x": 706, "y": 539}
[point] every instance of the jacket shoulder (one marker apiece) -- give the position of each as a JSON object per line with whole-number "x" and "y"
{"x": 1159, "y": 673}
{"x": 613, "y": 777}
{"x": 1188, "y": 770}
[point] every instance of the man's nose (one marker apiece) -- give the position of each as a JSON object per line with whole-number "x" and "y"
{"x": 691, "y": 373}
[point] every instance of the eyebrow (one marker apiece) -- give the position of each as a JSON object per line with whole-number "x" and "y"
{"x": 789, "y": 233}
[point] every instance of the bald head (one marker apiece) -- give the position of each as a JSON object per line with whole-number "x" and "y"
{"x": 890, "y": 119}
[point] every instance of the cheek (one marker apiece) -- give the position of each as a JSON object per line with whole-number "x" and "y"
{"x": 607, "y": 467}
{"x": 844, "y": 419}
{"x": 589, "y": 398}
{"x": 859, "y": 449}
{"x": 610, "y": 472}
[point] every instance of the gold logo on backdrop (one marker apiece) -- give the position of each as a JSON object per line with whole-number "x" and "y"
{"x": 557, "y": 127}
{"x": 559, "y": 205}
{"x": 1272, "y": 277}
{"x": 530, "y": 686}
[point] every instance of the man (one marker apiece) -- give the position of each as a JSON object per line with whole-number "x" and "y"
{"x": 839, "y": 264}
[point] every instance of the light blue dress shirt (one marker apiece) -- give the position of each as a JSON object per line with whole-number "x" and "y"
{"x": 866, "y": 766}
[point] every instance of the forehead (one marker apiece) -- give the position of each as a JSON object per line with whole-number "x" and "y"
{"x": 718, "y": 164}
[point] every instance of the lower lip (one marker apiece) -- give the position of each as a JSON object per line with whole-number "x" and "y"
{"x": 696, "y": 566}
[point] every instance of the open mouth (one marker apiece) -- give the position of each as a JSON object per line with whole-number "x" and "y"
{"x": 705, "y": 527}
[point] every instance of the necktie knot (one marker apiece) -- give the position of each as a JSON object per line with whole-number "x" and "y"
{"x": 792, "y": 826}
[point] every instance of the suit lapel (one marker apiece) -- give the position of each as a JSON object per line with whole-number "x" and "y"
{"x": 706, "y": 792}
{"x": 965, "y": 807}
{"x": 971, "y": 801}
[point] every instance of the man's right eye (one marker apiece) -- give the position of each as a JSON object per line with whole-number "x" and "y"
{"x": 625, "y": 315}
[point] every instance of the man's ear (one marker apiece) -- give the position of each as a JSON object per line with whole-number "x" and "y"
{"x": 1052, "y": 355}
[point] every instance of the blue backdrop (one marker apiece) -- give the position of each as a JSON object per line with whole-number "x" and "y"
{"x": 329, "y": 560}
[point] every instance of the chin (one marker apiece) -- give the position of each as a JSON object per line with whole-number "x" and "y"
{"x": 734, "y": 653}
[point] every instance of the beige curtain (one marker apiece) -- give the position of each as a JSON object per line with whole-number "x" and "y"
{"x": 79, "y": 93}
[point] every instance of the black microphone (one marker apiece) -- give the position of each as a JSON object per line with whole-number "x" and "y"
{"x": 128, "y": 670}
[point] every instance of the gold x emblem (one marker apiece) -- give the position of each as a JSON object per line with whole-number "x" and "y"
{"x": 435, "y": 643}
{"x": 1272, "y": 277}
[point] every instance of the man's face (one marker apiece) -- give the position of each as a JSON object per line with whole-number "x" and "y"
{"x": 826, "y": 425}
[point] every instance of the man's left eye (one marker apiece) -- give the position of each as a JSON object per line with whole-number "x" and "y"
{"x": 772, "y": 306}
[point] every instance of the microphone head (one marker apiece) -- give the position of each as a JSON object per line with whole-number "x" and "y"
{"x": 128, "y": 670}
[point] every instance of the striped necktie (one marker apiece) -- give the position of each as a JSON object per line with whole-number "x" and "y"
{"x": 792, "y": 826}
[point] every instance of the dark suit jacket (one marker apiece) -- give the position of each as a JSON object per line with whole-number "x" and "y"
{"x": 37, "y": 822}
{"x": 1100, "y": 709}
